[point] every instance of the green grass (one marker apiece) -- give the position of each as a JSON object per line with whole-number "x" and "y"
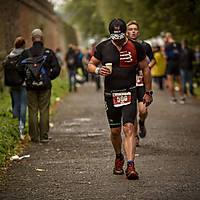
{"x": 59, "y": 88}
{"x": 5, "y": 101}
{"x": 9, "y": 140}
{"x": 197, "y": 92}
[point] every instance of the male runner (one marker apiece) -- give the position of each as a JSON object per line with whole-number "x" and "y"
{"x": 120, "y": 92}
{"x": 133, "y": 33}
{"x": 172, "y": 54}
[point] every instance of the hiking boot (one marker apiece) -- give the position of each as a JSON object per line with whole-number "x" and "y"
{"x": 142, "y": 131}
{"x": 118, "y": 169}
{"x": 131, "y": 174}
{"x": 137, "y": 140}
{"x": 46, "y": 140}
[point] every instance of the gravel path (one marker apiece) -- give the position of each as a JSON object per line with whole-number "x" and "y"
{"x": 77, "y": 164}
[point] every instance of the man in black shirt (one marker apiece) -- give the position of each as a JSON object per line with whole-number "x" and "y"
{"x": 133, "y": 33}
{"x": 120, "y": 94}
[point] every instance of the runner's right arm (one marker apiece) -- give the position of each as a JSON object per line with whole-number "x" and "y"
{"x": 92, "y": 66}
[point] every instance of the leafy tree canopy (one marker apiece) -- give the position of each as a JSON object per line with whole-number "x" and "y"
{"x": 179, "y": 17}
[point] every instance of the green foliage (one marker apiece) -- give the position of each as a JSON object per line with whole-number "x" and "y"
{"x": 85, "y": 15}
{"x": 5, "y": 100}
{"x": 8, "y": 136}
{"x": 9, "y": 140}
{"x": 179, "y": 17}
{"x": 8, "y": 128}
{"x": 59, "y": 88}
{"x": 70, "y": 34}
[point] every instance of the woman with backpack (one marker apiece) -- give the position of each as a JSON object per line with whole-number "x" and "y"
{"x": 17, "y": 84}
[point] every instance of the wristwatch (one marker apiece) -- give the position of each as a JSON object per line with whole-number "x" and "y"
{"x": 97, "y": 70}
{"x": 150, "y": 93}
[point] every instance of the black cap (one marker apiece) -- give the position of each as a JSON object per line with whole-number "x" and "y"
{"x": 117, "y": 29}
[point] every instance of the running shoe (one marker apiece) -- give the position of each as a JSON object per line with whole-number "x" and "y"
{"x": 173, "y": 101}
{"x": 182, "y": 100}
{"x": 131, "y": 174}
{"x": 118, "y": 169}
{"x": 142, "y": 131}
{"x": 137, "y": 140}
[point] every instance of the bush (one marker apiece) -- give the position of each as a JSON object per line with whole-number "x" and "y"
{"x": 9, "y": 140}
{"x": 59, "y": 88}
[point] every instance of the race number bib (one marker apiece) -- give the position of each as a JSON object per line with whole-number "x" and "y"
{"x": 121, "y": 99}
{"x": 139, "y": 80}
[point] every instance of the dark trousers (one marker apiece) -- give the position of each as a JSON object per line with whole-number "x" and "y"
{"x": 159, "y": 81}
{"x": 72, "y": 74}
{"x": 19, "y": 103}
{"x": 187, "y": 76}
{"x": 38, "y": 103}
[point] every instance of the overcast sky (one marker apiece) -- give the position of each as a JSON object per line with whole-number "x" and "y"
{"x": 57, "y": 3}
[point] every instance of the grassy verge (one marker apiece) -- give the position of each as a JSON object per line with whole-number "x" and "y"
{"x": 197, "y": 92}
{"x": 9, "y": 140}
{"x": 59, "y": 89}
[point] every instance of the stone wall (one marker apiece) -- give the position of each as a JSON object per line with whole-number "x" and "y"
{"x": 20, "y": 17}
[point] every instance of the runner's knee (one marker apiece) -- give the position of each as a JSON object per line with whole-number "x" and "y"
{"x": 128, "y": 129}
{"x": 115, "y": 132}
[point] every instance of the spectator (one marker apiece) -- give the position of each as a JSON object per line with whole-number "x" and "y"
{"x": 18, "y": 92}
{"x": 39, "y": 93}
{"x": 158, "y": 70}
{"x": 172, "y": 54}
{"x": 197, "y": 65}
{"x": 70, "y": 59}
{"x": 59, "y": 56}
{"x": 186, "y": 66}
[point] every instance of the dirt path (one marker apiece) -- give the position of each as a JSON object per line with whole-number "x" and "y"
{"x": 77, "y": 163}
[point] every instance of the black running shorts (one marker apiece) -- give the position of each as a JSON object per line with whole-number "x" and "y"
{"x": 125, "y": 113}
{"x": 173, "y": 68}
{"x": 140, "y": 93}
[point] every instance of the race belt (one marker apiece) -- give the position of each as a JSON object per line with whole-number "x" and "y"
{"x": 121, "y": 99}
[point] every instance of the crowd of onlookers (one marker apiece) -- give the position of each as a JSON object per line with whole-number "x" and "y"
{"x": 76, "y": 62}
{"x": 188, "y": 66}
{"x": 179, "y": 60}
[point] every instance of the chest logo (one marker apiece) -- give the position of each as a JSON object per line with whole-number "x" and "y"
{"x": 126, "y": 56}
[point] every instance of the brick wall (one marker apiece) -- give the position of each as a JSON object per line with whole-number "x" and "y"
{"x": 20, "y": 17}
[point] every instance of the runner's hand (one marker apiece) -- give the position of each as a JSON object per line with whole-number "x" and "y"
{"x": 104, "y": 71}
{"x": 147, "y": 99}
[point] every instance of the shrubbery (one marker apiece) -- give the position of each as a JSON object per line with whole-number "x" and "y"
{"x": 9, "y": 140}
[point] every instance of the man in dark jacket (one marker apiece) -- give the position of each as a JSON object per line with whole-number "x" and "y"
{"x": 70, "y": 58}
{"x": 39, "y": 98}
{"x": 186, "y": 66}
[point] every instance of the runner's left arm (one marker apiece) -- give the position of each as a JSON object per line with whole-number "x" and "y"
{"x": 150, "y": 55}
{"x": 147, "y": 74}
{"x": 147, "y": 99}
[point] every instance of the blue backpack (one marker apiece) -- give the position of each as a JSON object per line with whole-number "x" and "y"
{"x": 36, "y": 75}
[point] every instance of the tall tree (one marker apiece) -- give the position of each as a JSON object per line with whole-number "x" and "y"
{"x": 85, "y": 16}
{"x": 179, "y": 17}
